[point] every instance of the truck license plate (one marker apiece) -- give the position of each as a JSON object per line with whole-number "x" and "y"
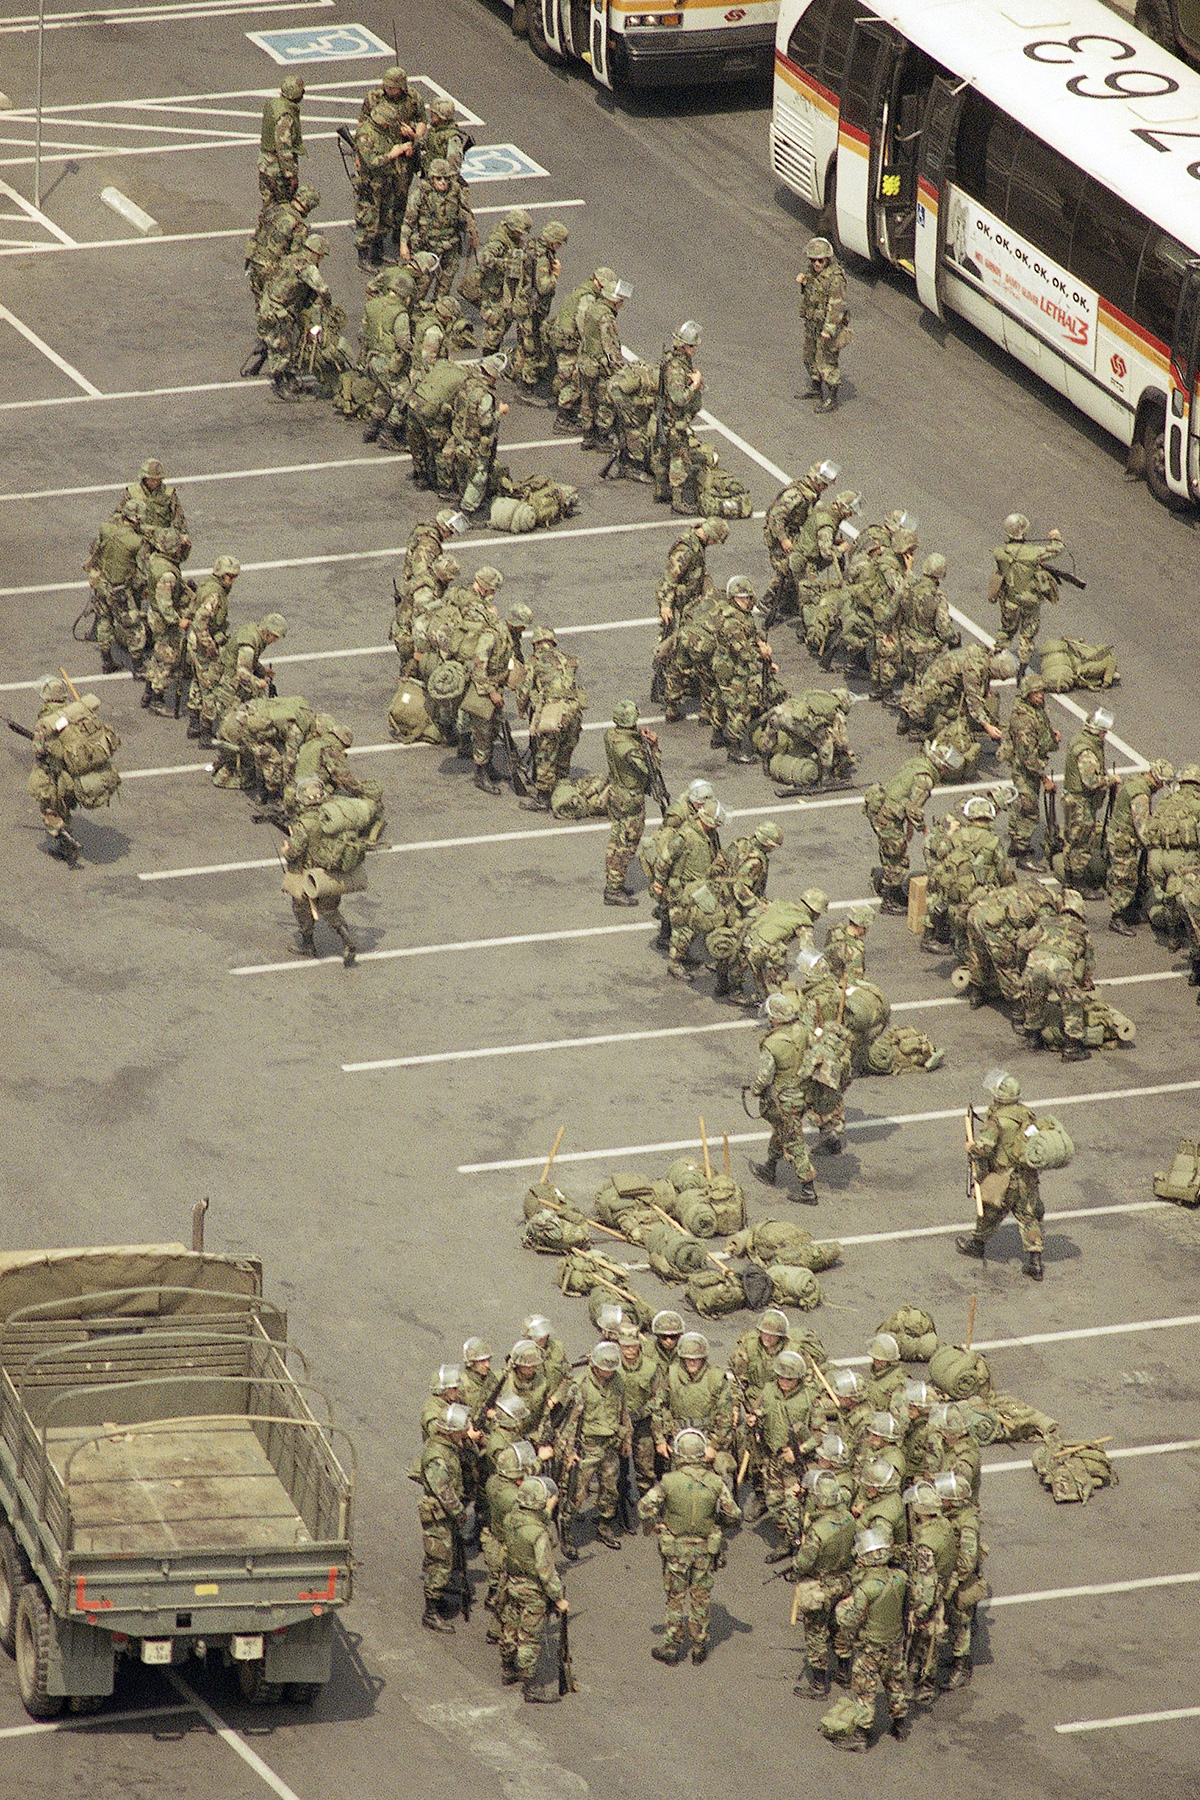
{"x": 246, "y": 1649}
{"x": 156, "y": 1650}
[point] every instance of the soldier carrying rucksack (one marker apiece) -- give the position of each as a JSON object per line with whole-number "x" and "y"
{"x": 325, "y": 858}
{"x": 73, "y": 750}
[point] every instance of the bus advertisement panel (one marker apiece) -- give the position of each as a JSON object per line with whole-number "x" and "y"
{"x": 1021, "y": 279}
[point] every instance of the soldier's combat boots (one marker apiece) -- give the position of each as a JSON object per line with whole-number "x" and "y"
{"x": 606, "y": 1535}
{"x": 721, "y": 984}
{"x": 484, "y": 779}
{"x": 1076, "y": 1052}
{"x": 67, "y": 847}
{"x": 668, "y": 1653}
{"x": 1033, "y": 1265}
{"x": 678, "y": 969}
{"x": 971, "y": 1246}
{"x": 432, "y": 1619}
{"x": 614, "y": 896}
{"x": 349, "y": 947}
{"x": 765, "y": 1171}
{"x": 108, "y": 662}
{"x": 806, "y": 1193}
{"x": 305, "y": 945}
{"x": 699, "y": 1654}
{"x": 900, "y": 1728}
{"x": 960, "y": 1673}
{"x": 147, "y": 694}
{"x": 1120, "y": 925}
{"x": 829, "y": 403}
{"x": 372, "y": 429}
{"x": 815, "y": 1684}
{"x": 195, "y": 724}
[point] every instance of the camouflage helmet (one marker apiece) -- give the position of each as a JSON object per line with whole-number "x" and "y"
{"x": 825, "y": 1492}
{"x": 699, "y": 790}
{"x": 934, "y": 566}
{"x": 441, "y": 107}
{"x": 493, "y": 366}
{"x": 169, "y": 542}
{"x": 823, "y": 474}
{"x": 513, "y": 1408}
{"x": 518, "y": 219}
{"x": 519, "y": 614}
{"x": 716, "y": 531}
{"x": 1032, "y": 682}
{"x": 818, "y": 249}
{"x": 605, "y": 1356}
{"x": 523, "y": 1454}
{"x": 903, "y": 541}
{"x": 446, "y": 1379}
{"x": 923, "y": 1497}
{"x": 788, "y": 1366}
{"x": 739, "y": 588}
{"x": 488, "y": 578}
{"x": 542, "y": 634}
{"x": 979, "y": 806}
{"x": 52, "y": 689}
{"x": 310, "y": 790}
{"x": 875, "y": 1543}
{"x": 1001, "y": 1085}
{"x": 1016, "y": 526}
{"x": 448, "y": 307}
{"x": 151, "y": 470}
{"x": 816, "y": 900}
{"x": 1071, "y": 901}
{"x": 526, "y": 1355}
{"x": 625, "y": 714}
{"x": 1161, "y": 771}
{"x": 884, "y": 1348}
{"x": 536, "y": 1326}
{"x": 1002, "y": 665}
{"x": 476, "y": 1349}
{"x": 554, "y": 233}
{"x": 273, "y": 625}
{"x": 780, "y": 1009}
{"x": 879, "y": 1473}
{"x": 532, "y": 1494}
{"x": 883, "y": 1425}
{"x": 227, "y": 565}
{"x": 603, "y": 274}
{"x": 693, "y": 1347}
{"x": 849, "y": 502}
{"x": 130, "y": 511}
{"x": 628, "y": 1334}
{"x": 445, "y": 567}
{"x": 427, "y": 262}
{"x": 292, "y": 87}
{"x": 395, "y": 77}
{"x": 688, "y": 1446}
{"x": 666, "y": 1324}
{"x": 315, "y": 244}
{"x": 768, "y": 835}
{"x": 774, "y": 1322}
{"x": 439, "y": 169}
{"x": 688, "y": 333}
{"x": 863, "y": 916}
{"x": 832, "y": 1449}
{"x": 845, "y": 1384}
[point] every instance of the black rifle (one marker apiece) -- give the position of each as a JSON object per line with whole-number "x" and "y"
{"x": 1109, "y": 803}
{"x": 254, "y": 361}
{"x": 272, "y": 690}
{"x": 182, "y": 673}
{"x": 566, "y": 1671}
{"x": 658, "y": 786}
{"x": 479, "y": 1417}
{"x": 1067, "y": 575}
{"x": 1050, "y": 810}
{"x": 345, "y": 144}
{"x": 21, "y": 730}
{"x": 520, "y": 786}
{"x": 624, "y": 1514}
{"x": 461, "y": 1578}
{"x": 89, "y": 611}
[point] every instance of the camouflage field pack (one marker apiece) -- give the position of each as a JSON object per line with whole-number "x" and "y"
{"x": 1181, "y": 1182}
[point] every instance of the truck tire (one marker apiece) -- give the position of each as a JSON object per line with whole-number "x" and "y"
{"x": 15, "y": 1573}
{"x": 254, "y": 1689}
{"x": 34, "y": 1628}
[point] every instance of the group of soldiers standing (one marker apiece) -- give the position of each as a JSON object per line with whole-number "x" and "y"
{"x": 870, "y": 1485}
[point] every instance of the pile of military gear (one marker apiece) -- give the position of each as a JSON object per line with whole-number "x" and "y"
{"x": 1074, "y": 1472}
{"x": 582, "y": 797}
{"x": 1181, "y": 1182}
{"x": 772, "y": 1242}
{"x": 1070, "y": 663}
{"x": 535, "y": 501}
{"x": 914, "y": 1331}
{"x": 605, "y": 1283}
{"x": 719, "y": 495}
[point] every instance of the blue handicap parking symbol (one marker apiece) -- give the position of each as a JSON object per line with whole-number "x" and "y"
{"x": 320, "y": 43}
{"x": 499, "y": 162}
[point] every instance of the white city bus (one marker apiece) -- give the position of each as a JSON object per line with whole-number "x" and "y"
{"x": 1035, "y": 166}
{"x": 682, "y": 43}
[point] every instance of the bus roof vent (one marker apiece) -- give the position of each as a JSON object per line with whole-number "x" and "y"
{"x": 1165, "y": 109}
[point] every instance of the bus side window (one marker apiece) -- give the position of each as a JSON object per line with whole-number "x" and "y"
{"x": 1043, "y": 193}
{"x": 1107, "y": 245}
{"x": 1164, "y": 264}
{"x": 804, "y": 45}
{"x": 842, "y": 14}
{"x": 987, "y": 141}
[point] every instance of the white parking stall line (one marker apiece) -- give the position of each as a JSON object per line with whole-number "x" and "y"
{"x": 93, "y": 1720}
{"x": 233, "y": 1740}
{"x": 385, "y": 459}
{"x": 158, "y": 15}
{"x": 1179, "y": 1447}
{"x": 32, "y": 213}
{"x": 1147, "y": 1718}
{"x": 1129, "y": 1328}
{"x": 60, "y": 362}
{"x": 1095, "y": 1587}
{"x": 611, "y": 1037}
{"x": 197, "y": 387}
{"x": 924, "y": 1231}
{"x": 167, "y": 769}
{"x": 1102, "y": 1096}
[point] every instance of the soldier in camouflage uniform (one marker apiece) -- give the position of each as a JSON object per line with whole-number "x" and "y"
{"x": 681, "y": 397}
{"x": 564, "y": 341}
{"x": 1059, "y": 968}
{"x": 206, "y": 639}
{"x": 443, "y": 1392}
{"x": 1020, "y": 585}
{"x": 933, "y": 1561}
{"x": 962, "y": 1511}
{"x": 687, "y": 1508}
{"x": 953, "y": 696}
{"x": 155, "y": 502}
{"x": 511, "y": 1465}
{"x": 896, "y": 810}
{"x": 822, "y": 1560}
{"x": 870, "y": 1621}
{"x": 436, "y": 217}
{"x": 925, "y": 624}
{"x": 599, "y": 358}
{"x": 501, "y": 267}
{"x": 973, "y": 859}
{"x": 999, "y": 1138}
{"x": 1174, "y": 852}
{"x": 552, "y": 700}
{"x": 783, "y": 524}
{"x": 826, "y": 329}
{"x": 169, "y": 616}
{"x": 388, "y": 144}
{"x": 817, "y": 546}
{"x": 781, "y": 1086}
{"x": 685, "y": 857}
{"x": 242, "y": 678}
{"x": 995, "y": 923}
{"x": 751, "y": 1363}
{"x": 784, "y": 1429}
{"x": 112, "y": 572}
{"x": 280, "y": 143}
{"x": 486, "y": 652}
{"x": 633, "y": 392}
{"x": 1026, "y": 743}
{"x": 323, "y": 753}
{"x": 742, "y": 662}
{"x": 281, "y": 230}
{"x": 630, "y": 772}
{"x": 386, "y": 337}
{"x": 311, "y": 846}
{"x": 541, "y": 266}
{"x": 441, "y": 1511}
{"x": 1129, "y": 838}
{"x": 475, "y": 426}
{"x": 532, "y": 1586}
{"x": 639, "y": 1371}
{"x": 595, "y": 1437}
{"x": 694, "y": 1392}
{"x": 846, "y": 944}
{"x": 805, "y": 745}
{"x": 445, "y": 137}
{"x": 1086, "y": 785}
{"x": 684, "y": 586}
{"x": 296, "y": 284}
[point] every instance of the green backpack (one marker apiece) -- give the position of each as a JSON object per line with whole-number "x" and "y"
{"x": 1181, "y": 1182}
{"x": 551, "y": 1234}
{"x": 674, "y": 1255}
{"x": 794, "y": 1285}
{"x": 914, "y": 1331}
{"x": 959, "y": 1373}
{"x": 713, "y": 1293}
{"x": 584, "y": 798}
{"x": 1046, "y": 1144}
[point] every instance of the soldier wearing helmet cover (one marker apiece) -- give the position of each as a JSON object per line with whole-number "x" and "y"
{"x": 550, "y": 697}
{"x": 925, "y": 625}
{"x": 532, "y": 1587}
{"x": 541, "y": 266}
{"x": 445, "y": 138}
{"x": 870, "y": 1623}
{"x": 822, "y": 284}
{"x": 1059, "y": 972}
{"x": 594, "y": 1438}
{"x": 442, "y": 1510}
{"x": 296, "y": 285}
{"x": 785, "y": 519}
{"x": 1086, "y": 786}
{"x": 501, "y": 265}
{"x": 599, "y": 358}
{"x": 846, "y": 944}
{"x": 281, "y": 143}
{"x": 437, "y": 217}
{"x": 630, "y": 753}
{"x": 155, "y": 502}
{"x": 693, "y": 1391}
{"x": 687, "y": 1508}
{"x": 282, "y": 228}
{"x": 563, "y": 337}
{"x": 1020, "y": 585}
{"x": 206, "y": 638}
{"x": 1006, "y": 1182}
{"x": 821, "y": 1559}
{"x": 113, "y": 572}
{"x": 1129, "y": 838}
{"x": 1027, "y": 742}
{"x": 169, "y": 616}
{"x": 681, "y": 397}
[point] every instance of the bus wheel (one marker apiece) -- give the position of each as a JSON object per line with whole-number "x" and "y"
{"x": 1154, "y": 18}
{"x": 536, "y": 32}
{"x": 1154, "y": 440}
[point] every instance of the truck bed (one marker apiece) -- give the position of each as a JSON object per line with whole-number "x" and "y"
{"x": 144, "y": 1492}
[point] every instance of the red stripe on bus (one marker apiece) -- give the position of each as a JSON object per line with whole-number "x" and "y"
{"x": 927, "y": 191}
{"x": 808, "y": 80}
{"x": 855, "y": 133}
